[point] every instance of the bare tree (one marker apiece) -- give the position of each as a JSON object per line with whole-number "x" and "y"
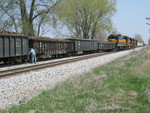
{"x": 139, "y": 38}
{"x": 26, "y": 15}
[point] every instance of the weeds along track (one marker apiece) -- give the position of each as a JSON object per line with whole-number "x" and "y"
{"x": 20, "y": 70}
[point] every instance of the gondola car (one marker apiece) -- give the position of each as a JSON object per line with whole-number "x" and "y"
{"x": 50, "y": 47}
{"x": 106, "y": 46}
{"x": 13, "y": 47}
{"x": 84, "y": 45}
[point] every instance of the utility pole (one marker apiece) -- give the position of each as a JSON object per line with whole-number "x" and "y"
{"x": 148, "y": 18}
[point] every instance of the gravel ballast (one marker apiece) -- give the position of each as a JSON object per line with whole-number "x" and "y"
{"x": 19, "y": 89}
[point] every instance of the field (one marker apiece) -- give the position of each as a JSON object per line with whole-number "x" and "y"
{"x": 122, "y": 86}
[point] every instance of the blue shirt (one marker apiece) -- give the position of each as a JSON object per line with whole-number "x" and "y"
{"x": 32, "y": 52}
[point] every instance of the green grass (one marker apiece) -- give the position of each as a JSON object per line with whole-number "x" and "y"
{"x": 122, "y": 86}
{"x": 1, "y": 62}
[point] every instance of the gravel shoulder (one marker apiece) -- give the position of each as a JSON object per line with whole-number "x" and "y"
{"x": 19, "y": 89}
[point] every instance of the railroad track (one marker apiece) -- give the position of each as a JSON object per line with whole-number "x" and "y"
{"x": 11, "y": 72}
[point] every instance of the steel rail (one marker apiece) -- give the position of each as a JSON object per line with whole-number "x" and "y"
{"x": 16, "y": 71}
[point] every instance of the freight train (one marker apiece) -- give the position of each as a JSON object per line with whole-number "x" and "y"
{"x": 14, "y": 47}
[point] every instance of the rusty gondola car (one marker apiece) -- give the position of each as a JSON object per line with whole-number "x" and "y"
{"x": 50, "y": 47}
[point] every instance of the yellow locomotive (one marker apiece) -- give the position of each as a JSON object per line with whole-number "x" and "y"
{"x": 122, "y": 42}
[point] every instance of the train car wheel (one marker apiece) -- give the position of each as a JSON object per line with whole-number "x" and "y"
{"x": 5, "y": 61}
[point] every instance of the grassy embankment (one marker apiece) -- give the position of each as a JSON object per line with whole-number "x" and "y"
{"x": 122, "y": 86}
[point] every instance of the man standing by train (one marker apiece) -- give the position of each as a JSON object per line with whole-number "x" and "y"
{"x": 33, "y": 55}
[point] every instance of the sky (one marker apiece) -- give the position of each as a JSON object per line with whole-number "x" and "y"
{"x": 130, "y": 18}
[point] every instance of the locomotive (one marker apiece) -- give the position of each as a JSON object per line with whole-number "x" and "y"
{"x": 122, "y": 42}
{"x": 14, "y": 47}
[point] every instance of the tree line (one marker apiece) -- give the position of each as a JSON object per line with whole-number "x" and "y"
{"x": 81, "y": 18}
